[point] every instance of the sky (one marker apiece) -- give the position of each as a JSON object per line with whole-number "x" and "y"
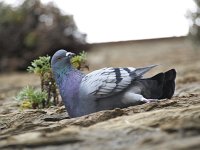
{"x": 119, "y": 20}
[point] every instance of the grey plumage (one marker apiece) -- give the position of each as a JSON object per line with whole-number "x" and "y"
{"x": 109, "y": 81}
{"x": 108, "y": 88}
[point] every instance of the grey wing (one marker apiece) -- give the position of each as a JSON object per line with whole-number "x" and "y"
{"x": 107, "y": 81}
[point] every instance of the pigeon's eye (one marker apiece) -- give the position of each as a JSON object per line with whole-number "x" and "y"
{"x": 59, "y": 58}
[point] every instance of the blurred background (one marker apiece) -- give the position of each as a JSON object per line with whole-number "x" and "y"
{"x": 115, "y": 33}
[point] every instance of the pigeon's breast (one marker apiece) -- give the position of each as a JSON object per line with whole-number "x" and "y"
{"x": 70, "y": 85}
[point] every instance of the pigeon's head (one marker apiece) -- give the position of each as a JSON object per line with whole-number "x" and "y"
{"x": 61, "y": 59}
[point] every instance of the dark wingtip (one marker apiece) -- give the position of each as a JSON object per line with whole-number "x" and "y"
{"x": 170, "y": 74}
{"x": 159, "y": 78}
{"x": 169, "y": 84}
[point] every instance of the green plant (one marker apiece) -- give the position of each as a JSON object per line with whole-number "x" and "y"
{"x": 79, "y": 60}
{"x": 42, "y": 67}
{"x": 31, "y": 98}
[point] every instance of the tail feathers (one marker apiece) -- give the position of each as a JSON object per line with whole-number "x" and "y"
{"x": 170, "y": 75}
{"x": 150, "y": 88}
{"x": 159, "y": 78}
{"x": 160, "y": 86}
{"x": 169, "y": 84}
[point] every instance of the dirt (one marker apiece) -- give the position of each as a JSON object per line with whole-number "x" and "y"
{"x": 167, "y": 124}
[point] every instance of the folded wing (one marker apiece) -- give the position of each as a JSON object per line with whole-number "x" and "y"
{"x": 109, "y": 81}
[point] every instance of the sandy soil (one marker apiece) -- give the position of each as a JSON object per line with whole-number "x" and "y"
{"x": 168, "y": 124}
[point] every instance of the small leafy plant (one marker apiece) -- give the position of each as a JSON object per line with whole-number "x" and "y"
{"x": 42, "y": 67}
{"x": 31, "y": 98}
{"x": 79, "y": 61}
{"x": 48, "y": 94}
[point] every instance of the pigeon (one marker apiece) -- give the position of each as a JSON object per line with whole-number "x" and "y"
{"x": 107, "y": 88}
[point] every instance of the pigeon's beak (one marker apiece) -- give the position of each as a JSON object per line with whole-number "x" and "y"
{"x": 70, "y": 54}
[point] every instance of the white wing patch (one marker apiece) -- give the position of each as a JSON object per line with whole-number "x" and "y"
{"x": 107, "y": 81}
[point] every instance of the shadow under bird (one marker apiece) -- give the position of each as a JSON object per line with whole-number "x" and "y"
{"x": 107, "y": 88}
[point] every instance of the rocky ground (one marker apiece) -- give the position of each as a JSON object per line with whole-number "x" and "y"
{"x": 168, "y": 124}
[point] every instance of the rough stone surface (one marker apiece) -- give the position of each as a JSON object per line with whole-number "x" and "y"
{"x": 167, "y": 124}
